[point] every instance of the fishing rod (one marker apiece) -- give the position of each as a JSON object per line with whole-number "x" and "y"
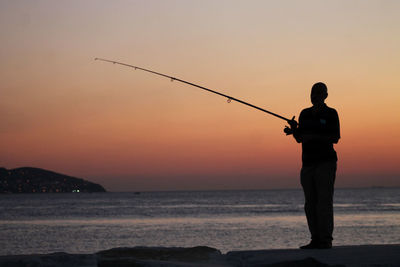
{"x": 230, "y": 98}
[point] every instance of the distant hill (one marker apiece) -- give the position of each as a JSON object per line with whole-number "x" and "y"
{"x": 35, "y": 180}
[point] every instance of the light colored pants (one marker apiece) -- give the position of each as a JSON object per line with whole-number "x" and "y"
{"x": 318, "y": 181}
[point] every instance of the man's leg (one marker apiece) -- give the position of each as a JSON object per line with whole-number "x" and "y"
{"x": 325, "y": 174}
{"x": 307, "y": 177}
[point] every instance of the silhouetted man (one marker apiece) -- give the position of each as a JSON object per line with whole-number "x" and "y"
{"x": 318, "y": 129}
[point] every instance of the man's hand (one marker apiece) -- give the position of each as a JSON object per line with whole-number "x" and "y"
{"x": 293, "y": 126}
{"x": 293, "y": 123}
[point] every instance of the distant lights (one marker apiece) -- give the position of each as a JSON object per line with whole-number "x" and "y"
{"x": 75, "y": 191}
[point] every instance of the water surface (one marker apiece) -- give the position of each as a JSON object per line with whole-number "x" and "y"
{"x": 227, "y": 220}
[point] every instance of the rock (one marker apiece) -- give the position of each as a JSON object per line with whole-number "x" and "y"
{"x": 350, "y": 256}
{"x": 59, "y": 259}
{"x": 157, "y": 256}
{"x": 308, "y": 262}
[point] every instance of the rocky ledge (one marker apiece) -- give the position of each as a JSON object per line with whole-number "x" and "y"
{"x": 350, "y": 256}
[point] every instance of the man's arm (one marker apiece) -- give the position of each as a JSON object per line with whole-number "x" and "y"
{"x": 335, "y": 136}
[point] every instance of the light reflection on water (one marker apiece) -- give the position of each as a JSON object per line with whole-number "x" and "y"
{"x": 340, "y": 220}
{"x": 374, "y": 220}
{"x": 159, "y": 221}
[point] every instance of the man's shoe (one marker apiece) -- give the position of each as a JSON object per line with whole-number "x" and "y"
{"x": 312, "y": 245}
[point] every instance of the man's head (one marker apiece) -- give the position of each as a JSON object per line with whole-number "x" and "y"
{"x": 319, "y": 92}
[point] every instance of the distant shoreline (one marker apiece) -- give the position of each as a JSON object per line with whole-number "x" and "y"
{"x": 209, "y": 190}
{"x": 236, "y": 190}
{"x": 39, "y": 181}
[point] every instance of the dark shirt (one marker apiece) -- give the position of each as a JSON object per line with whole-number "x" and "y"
{"x": 323, "y": 123}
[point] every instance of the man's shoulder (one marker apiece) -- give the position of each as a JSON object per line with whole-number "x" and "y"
{"x": 326, "y": 109}
{"x": 330, "y": 110}
{"x": 306, "y": 111}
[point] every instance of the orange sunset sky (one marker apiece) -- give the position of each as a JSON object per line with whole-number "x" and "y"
{"x": 131, "y": 131}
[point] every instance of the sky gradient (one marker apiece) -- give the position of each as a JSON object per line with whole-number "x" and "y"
{"x": 132, "y": 131}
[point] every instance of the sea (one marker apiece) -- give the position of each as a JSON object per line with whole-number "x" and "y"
{"x": 226, "y": 220}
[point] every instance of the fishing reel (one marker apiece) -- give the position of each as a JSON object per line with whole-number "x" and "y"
{"x": 292, "y": 126}
{"x": 288, "y": 130}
